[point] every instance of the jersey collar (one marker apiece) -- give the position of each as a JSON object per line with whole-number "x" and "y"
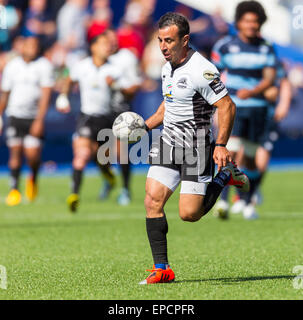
{"x": 189, "y": 55}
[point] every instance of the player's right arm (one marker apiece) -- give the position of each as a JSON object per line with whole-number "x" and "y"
{"x": 6, "y": 86}
{"x": 157, "y": 118}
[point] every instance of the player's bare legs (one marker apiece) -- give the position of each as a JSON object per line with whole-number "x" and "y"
{"x": 191, "y": 207}
{"x": 156, "y": 195}
{"x": 14, "y": 163}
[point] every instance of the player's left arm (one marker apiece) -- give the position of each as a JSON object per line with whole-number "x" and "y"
{"x": 37, "y": 127}
{"x": 47, "y": 82}
{"x": 157, "y": 118}
{"x": 226, "y": 116}
{"x": 285, "y": 98}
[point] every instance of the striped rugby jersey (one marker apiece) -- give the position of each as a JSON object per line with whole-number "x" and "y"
{"x": 189, "y": 92}
{"x": 244, "y": 64}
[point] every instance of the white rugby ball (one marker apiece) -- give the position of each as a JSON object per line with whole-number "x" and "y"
{"x": 1, "y": 124}
{"x": 129, "y": 127}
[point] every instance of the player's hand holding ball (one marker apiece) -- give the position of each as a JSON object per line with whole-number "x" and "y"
{"x": 129, "y": 127}
{"x": 62, "y": 103}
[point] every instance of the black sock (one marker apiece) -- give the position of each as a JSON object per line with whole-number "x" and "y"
{"x": 35, "y": 170}
{"x": 224, "y": 193}
{"x": 157, "y": 229}
{"x": 107, "y": 173}
{"x": 76, "y": 180}
{"x": 125, "y": 169}
{"x": 214, "y": 190}
{"x": 14, "y": 178}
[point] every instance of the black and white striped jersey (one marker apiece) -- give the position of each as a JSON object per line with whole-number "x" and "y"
{"x": 189, "y": 92}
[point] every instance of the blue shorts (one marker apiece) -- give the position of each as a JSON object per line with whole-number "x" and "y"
{"x": 251, "y": 124}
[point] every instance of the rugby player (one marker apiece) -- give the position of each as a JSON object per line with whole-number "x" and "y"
{"x": 250, "y": 65}
{"x": 26, "y": 90}
{"x": 95, "y": 77}
{"x": 186, "y": 152}
{"x": 125, "y": 90}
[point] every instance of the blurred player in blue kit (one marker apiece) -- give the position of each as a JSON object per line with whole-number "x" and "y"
{"x": 250, "y": 65}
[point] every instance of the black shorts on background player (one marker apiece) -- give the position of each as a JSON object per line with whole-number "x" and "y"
{"x": 89, "y": 126}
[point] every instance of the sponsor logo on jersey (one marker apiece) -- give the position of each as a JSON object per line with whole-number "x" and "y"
{"x": 210, "y": 75}
{"x": 182, "y": 83}
{"x": 217, "y": 86}
{"x": 168, "y": 95}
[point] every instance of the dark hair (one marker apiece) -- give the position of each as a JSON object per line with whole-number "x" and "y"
{"x": 95, "y": 38}
{"x": 250, "y": 6}
{"x": 172, "y": 18}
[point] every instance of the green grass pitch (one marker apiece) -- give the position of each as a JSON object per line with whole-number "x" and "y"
{"x": 102, "y": 251}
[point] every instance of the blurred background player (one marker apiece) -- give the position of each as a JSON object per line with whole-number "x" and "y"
{"x": 126, "y": 88}
{"x": 279, "y": 98}
{"x": 26, "y": 89}
{"x": 95, "y": 77}
{"x": 250, "y": 64}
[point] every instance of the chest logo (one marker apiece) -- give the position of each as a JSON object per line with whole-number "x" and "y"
{"x": 168, "y": 95}
{"x": 182, "y": 83}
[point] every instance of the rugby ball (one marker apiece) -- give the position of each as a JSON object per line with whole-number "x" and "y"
{"x": 129, "y": 127}
{"x": 1, "y": 124}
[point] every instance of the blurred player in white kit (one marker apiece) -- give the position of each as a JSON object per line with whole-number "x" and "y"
{"x": 26, "y": 90}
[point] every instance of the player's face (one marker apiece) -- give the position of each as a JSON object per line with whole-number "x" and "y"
{"x": 171, "y": 44}
{"x": 112, "y": 36}
{"x": 102, "y": 48}
{"x": 249, "y": 25}
{"x": 30, "y": 48}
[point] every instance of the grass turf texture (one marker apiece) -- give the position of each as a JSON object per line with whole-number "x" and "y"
{"x": 102, "y": 251}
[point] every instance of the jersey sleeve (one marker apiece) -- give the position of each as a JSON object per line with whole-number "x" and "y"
{"x": 7, "y": 78}
{"x": 48, "y": 77}
{"x": 209, "y": 84}
{"x": 74, "y": 73}
{"x": 217, "y": 56}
